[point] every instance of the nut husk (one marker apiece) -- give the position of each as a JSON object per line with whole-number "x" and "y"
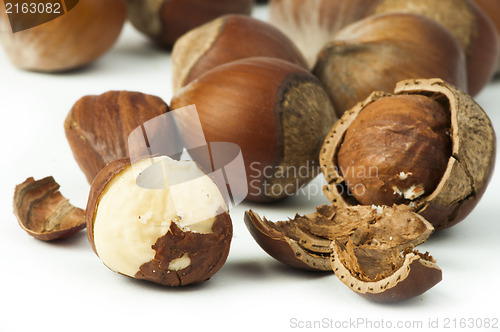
{"x": 469, "y": 168}
{"x": 98, "y": 127}
{"x": 43, "y": 212}
{"x": 225, "y": 39}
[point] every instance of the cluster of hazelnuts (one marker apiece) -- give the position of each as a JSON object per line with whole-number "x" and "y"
{"x": 315, "y": 89}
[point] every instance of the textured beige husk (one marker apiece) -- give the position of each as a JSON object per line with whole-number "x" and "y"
{"x": 469, "y": 168}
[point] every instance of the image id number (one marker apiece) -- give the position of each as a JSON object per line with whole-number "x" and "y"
{"x": 33, "y": 8}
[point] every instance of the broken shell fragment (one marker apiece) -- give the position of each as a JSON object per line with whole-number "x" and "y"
{"x": 159, "y": 220}
{"x": 43, "y": 212}
{"x": 383, "y": 274}
{"x": 304, "y": 242}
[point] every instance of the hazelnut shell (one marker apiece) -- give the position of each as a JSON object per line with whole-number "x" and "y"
{"x": 164, "y": 21}
{"x": 70, "y": 41}
{"x": 275, "y": 111}
{"x": 469, "y": 168}
{"x": 43, "y": 212}
{"x": 225, "y": 39}
{"x": 98, "y": 127}
{"x": 304, "y": 242}
{"x": 377, "y": 52}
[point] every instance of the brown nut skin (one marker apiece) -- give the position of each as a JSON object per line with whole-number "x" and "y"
{"x": 225, "y": 39}
{"x": 164, "y": 21}
{"x": 44, "y": 213}
{"x": 311, "y": 24}
{"x": 98, "y": 127}
{"x": 469, "y": 168}
{"x": 377, "y": 52}
{"x": 471, "y": 27}
{"x": 492, "y": 9}
{"x": 71, "y": 41}
{"x": 261, "y": 105}
{"x": 395, "y": 149}
{"x": 208, "y": 252}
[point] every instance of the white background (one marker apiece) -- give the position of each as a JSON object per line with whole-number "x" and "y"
{"x": 63, "y": 286}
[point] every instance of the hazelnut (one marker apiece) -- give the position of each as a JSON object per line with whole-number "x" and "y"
{"x": 225, "y": 39}
{"x": 76, "y": 38}
{"x": 470, "y": 26}
{"x": 275, "y": 111}
{"x": 492, "y": 10}
{"x": 369, "y": 248}
{"x": 377, "y": 52}
{"x": 98, "y": 127}
{"x": 407, "y": 156}
{"x": 164, "y": 21}
{"x": 311, "y": 24}
{"x": 43, "y": 212}
{"x": 159, "y": 220}
{"x": 396, "y": 149}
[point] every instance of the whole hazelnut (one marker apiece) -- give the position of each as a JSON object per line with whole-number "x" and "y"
{"x": 276, "y": 112}
{"x": 164, "y": 21}
{"x": 469, "y": 25}
{"x": 492, "y": 9}
{"x": 225, "y": 39}
{"x": 98, "y": 127}
{"x": 377, "y": 52}
{"x": 311, "y": 24}
{"x": 159, "y": 220}
{"x": 72, "y": 40}
{"x": 403, "y": 158}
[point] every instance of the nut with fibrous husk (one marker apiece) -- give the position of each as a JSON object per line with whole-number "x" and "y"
{"x": 409, "y": 158}
{"x": 98, "y": 127}
{"x": 370, "y": 248}
{"x": 164, "y": 21}
{"x": 377, "y": 52}
{"x": 468, "y": 24}
{"x": 159, "y": 220}
{"x": 60, "y": 38}
{"x": 311, "y": 24}
{"x": 43, "y": 212}
{"x": 225, "y": 39}
{"x": 275, "y": 111}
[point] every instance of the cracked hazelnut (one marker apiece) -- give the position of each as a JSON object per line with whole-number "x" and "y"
{"x": 159, "y": 220}
{"x": 164, "y": 21}
{"x": 74, "y": 39}
{"x": 402, "y": 157}
{"x": 275, "y": 111}
{"x": 225, "y": 39}
{"x": 98, "y": 127}
{"x": 43, "y": 212}
{"x": 369, "y": 248}
{"x": 375, "y": 53}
